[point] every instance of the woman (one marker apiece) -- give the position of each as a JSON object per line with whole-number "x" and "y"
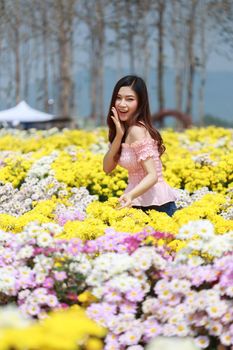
{"x": 137, "y": 146}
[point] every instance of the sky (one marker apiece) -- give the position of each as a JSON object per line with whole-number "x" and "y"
{"x": 219, "y": 63}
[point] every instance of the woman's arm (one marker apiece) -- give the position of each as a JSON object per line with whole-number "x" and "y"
{"x": 144, "y": 185}
{"x": 109, "y": 163}
{"x": 137, "y": 133}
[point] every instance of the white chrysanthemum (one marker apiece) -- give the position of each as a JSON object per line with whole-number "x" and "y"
{"x": 96, "y": 278}
{"x": 113, "y": 263}
{"x": 165, "y": 294}
{"x": 23, "y": 237}
{"x": 195, "y": 260}
{"x": 202, "y": 228}
{"x": 135, "y": 347}
{"x": 217, "y": 246}
{"x": 161, "y": 285}
{"x": 74, "y": 267}
{"x": 187, "y": 231}
{"x": 200, "y": 302}
{"x": 24, "y": 271}
{"x": 183, "y": 309}
{"x": 229, "y": 291}
{"x": 40, "y": 299}
{"x": 98, "y": 292}
{"x": 4, "y": 236}
{"x": 43, "y": 261}
{"x": 23, "y": 294}
{"x": 84, "y": 267}
{"x": 130, "y": 337}
{"x": 182, "y": 256}
{"x": 45, "y": 240}
{"x": 159, "y": 262}
{"x": 182, "y": 330}
{"x": 212, "y": 295}
{"x": 25, "y": 252}
{"x": 202, "y": 341}
{"x": 11, "y": 317}
{"x": 52, "y": 227}
{"x": 195, "y": 244}
{"x": 179, "y": 285}
{"x": 40, "y": 278}
{"x": 143, "y": 263}
{"x": 215, "y": 328}
{"x": 142, "y": 257}
{"x": 32, "y": 309}
{"x": 52, "y": 300}
{"x": 164, "y": 312}
{"x": 149, "y": 305}
{"x": 217, "y": 310}
{"x": 176, "y": 319}
{"x": 226, "y": 338}
{"x": 124, "y": 283}
{"x": 7, "y": 282}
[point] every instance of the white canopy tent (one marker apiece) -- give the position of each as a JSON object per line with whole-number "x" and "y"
{"x": 23, "y": 113}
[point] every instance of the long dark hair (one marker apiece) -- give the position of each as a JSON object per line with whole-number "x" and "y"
{"x": 141, "y": 117}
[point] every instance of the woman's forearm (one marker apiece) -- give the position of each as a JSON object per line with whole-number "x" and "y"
{"x": 109, "y": 163}
{"x": 144, "y": 185}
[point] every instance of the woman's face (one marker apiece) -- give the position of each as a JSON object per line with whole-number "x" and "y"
{"x": 126, "y": 103}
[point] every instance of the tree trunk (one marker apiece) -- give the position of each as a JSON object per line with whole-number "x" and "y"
{"x": 17, "y": 68}
{"x": 96, "y": 24}
{"x": 100, "y": 60}
{"x": 65, "y": 69}
{"x": 26, "y": 70}
{"x": 45, "y": 59}
{"x": 118, "y": 42}
{"x": 54, "y": 77}
{"x": 176, "y": 43}
{"x": 160, "y": 25}
{"x": 145, "y": 37}
{"x": 130, "y": 35}
{"x": 66, "y": 83}
{"x": 191, "y": 59}
{"x": 203, "y": 58}
{"x": 64, "y": 12}
{"x": 93, "y": 81}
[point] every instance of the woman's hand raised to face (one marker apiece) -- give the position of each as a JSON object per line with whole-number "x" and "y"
{"x": 120, "y": 129}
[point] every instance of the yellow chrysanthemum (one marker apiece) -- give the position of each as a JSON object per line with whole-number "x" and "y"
{"x": 65, "y": 330}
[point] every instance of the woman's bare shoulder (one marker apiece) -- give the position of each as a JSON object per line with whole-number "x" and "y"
{"x": 137, "y": 133}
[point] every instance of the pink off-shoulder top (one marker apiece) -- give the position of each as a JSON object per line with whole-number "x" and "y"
{"x": 130, "y": 159}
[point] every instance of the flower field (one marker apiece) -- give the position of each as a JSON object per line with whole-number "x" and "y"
{"x": 90, "y": 276}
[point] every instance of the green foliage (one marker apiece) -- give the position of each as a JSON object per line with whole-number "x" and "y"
{"x": 212, "y": 120}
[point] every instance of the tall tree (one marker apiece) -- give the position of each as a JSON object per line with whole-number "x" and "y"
{"x": 58, "y": 18}
{"x": 45, "y": 45}
{"x": 93, "y": 15}
{"x": 160, "y": 52}
{"x": 176, "y": 30}
{"x": 202, "y": 62}
{"x": 14, "y": 21}
{"x": 64, "y": 14}
{"x": 145, "y": 32}
{"x": 115, "y": 39}
{"x": 191, "y": 27}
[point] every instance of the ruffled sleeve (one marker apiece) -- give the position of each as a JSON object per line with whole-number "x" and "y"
{"x": 145, "y": 149}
